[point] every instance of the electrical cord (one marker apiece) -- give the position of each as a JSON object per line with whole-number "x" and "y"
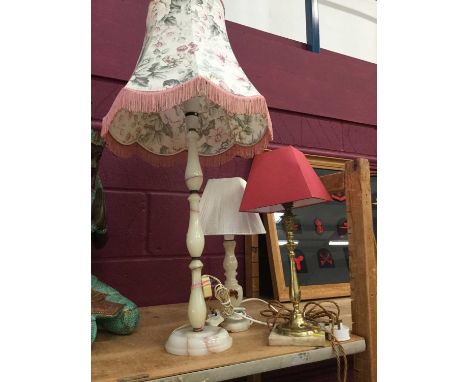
{"x": 319, "y": 317}
{"x": 221, "y": 293}
{"x": 316, "y": 313}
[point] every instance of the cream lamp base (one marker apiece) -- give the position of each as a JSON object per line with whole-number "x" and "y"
{"x": 212, "y": 339}
{"x": 235, "y": 324}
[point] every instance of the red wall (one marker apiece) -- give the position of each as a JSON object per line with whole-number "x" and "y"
{"x": 321, "y": 103}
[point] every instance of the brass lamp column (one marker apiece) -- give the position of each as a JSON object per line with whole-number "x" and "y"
{"x": 297, "y": 326}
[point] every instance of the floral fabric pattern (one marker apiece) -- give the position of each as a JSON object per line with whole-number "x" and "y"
{"x": 164, "y": 133}
{"x": 187, "y": 40}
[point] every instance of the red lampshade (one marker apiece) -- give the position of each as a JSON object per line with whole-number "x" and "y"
{"x": 281, "y": 176}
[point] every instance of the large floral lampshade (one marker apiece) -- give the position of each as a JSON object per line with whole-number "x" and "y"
{"x": 186, "y": 53}
{"x": 188, "y": 99}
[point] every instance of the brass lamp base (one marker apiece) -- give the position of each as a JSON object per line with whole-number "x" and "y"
{"x": 308, "y": 335}
{"x": 305, "y": 330}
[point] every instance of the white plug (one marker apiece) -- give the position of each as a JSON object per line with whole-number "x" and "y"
{"x": 214, "y": 319}
{"x": 340, "y": 331}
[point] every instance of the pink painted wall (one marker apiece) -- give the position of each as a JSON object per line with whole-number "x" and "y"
{"x": 321, "y": 103}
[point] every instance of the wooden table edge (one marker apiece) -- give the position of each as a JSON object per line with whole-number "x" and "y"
{"x": 242, "y": 369}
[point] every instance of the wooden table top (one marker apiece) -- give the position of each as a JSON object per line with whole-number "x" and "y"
{"x": 141, "y": 356}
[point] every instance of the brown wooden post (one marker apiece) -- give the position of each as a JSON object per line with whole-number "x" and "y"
{"x": 363, "y": 266}
{"x": 254, "y": 378}
{"x": 252, "y": 285}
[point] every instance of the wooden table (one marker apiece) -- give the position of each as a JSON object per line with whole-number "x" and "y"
{"x": 141, "y": 356}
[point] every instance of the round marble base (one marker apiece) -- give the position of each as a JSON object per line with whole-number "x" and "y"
{"x": 234, "y": 326}
{"x": 184, "y": 341}
{"x": 235, "y": 323}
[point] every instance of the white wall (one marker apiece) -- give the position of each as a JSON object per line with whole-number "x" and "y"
{"x": 346, "y": 26}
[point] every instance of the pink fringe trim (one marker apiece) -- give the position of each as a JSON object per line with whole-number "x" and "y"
{"x": 156, "y": 160}
{"x": 150, "y": 102}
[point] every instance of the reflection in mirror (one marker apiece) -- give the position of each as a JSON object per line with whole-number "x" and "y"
{"x": 321, "y": 233}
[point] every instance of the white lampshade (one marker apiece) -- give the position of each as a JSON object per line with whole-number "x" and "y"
{"x": 219, "y": 209}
